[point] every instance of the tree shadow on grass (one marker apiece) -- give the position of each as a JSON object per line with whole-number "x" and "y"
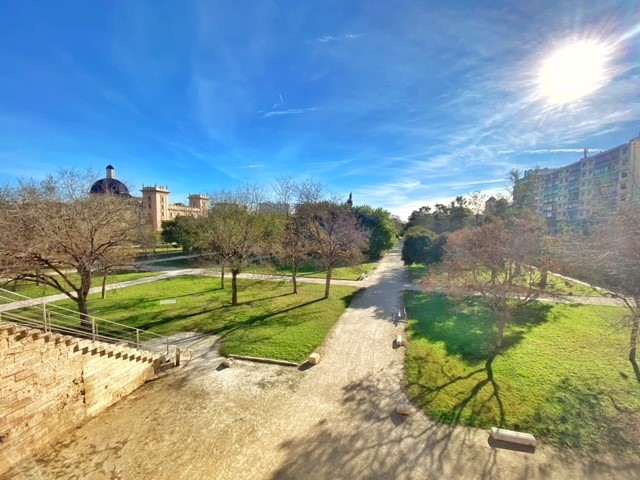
{"x": 579, "y": 415}
{"x": 467, "y": 326}
{"x": 469, "y": 409}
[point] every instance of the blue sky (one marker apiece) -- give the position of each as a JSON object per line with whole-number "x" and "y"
{"x": 403, "y": 103}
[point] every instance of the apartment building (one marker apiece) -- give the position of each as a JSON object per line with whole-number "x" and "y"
{"x": 593, "y": 186}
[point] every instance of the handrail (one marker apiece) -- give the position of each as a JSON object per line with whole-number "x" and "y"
{"x": 36, "y": 312}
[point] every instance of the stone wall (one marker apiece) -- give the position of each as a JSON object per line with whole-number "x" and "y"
{"x": 51, "y": 383}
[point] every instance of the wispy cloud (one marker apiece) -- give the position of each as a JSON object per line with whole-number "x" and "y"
{"x": 290, "y": 111}
{"x": 303, "y": 164}
{"x": 336, "y": 38}
{"x": 546, "y": 151}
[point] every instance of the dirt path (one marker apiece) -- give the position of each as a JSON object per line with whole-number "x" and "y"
{"x": 334, "y": 420}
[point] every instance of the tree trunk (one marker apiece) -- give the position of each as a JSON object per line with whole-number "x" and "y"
{"x": 502, "y": 322}
{"x": 104, "y": 285}
{"x": 234, "y": 287}
{"x": 544, "y": 273}
{"x": 635, "y": 329}
{"x": 83, "y": 294}
{"x": 294, "y": 276}
{"x": 327, "y": 284}
{"x": 222, "y": 275}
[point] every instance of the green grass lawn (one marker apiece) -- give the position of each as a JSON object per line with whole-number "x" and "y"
{"x": 30, "y": 289}
{"x": 195, "y": 262}
{"x": 556, "y": 285}
{"x": 562, "y": 376}
{"x": 417, "y": 272}
{"x": 271, "y": 322}
{"x": 340, "y": 273}
{"x": 160, "y": 252}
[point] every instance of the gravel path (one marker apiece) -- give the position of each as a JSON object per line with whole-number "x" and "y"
{"x": 333, "y": 420}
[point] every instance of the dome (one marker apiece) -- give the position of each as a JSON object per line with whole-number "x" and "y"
{"x": 110, "y": 184}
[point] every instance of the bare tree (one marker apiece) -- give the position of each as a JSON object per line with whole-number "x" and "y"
{"x": 53, "y": 228}
{"x": 292, "y": 246}
{"x": 609, "y": 257}
{"x": 236, "y": 230}
{"x": 498, "y": 261}
{"x": 335, "y": 235}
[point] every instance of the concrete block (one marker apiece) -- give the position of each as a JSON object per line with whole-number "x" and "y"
{"x": 404, "y": 408}
{"x": 513, "y": 437}
{"x": 227, "y": 362}
{"x": 399, "y": 341}
{"x": 314, "y": 358}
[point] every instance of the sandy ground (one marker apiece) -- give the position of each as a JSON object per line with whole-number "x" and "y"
{"x": 333, "y": 420}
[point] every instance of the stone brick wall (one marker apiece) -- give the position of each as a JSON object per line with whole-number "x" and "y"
{"x": 51, "y": 383}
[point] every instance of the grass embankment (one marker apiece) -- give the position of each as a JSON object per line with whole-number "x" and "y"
{"x": 270, "y": 322}
{"x": 30, "y": 289}
{"x": 562, "y": 375}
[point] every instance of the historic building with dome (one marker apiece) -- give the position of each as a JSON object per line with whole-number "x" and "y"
{"x": 155, "y": 199}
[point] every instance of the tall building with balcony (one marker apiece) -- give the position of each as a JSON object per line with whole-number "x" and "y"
{"x": 594, "y": 186}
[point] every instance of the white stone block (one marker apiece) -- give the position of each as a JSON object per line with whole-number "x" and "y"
{"x": 227, "y": 362}
{"x": 404, "y": 408}
{"x": 513, "y": 437}
{"x": 399, "y": 341}
{"x": 314, "y": 358}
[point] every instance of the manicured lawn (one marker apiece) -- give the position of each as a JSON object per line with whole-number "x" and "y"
{"x": 340, "y": 273}
{"x": 417, "y": 272}
{"x": 30, "y": 289}
{"x": 194, "y": 262}
{"x": 160, "y": 251}
{"x": 562, "y": 376}
{"x": 271, "y": 322}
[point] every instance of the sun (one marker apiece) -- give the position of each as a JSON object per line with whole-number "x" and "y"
{"x": 574, "y": 71}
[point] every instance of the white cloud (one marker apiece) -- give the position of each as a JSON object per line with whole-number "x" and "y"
{"x": 291, "y": 111}
{"x": 545, "y": 151}
{"x": 332, "y": 38}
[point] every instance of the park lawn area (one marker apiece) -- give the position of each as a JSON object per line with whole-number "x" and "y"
{"x": 270, "y": 321}
{"x": 193, "y": 262}
{"x": 417, "y": 272}
{"x": 562, "y": 375}
{"x": 30, "y": 289}
{"x": 339, "y": 273}
{"x": 160, "y": 252}
{"x": 556, "y": 285}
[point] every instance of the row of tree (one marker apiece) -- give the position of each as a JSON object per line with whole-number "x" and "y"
{"x": 296, "y": 227}
{"x": 54, "y": 233}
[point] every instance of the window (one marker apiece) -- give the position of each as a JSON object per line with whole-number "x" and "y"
{"x": 623, "y": 186}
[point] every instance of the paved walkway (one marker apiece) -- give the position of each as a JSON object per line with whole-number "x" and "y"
{"x": 332, "y": 421}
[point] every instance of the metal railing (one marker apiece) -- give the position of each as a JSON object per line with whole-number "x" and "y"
{"x": 37, "y": 313}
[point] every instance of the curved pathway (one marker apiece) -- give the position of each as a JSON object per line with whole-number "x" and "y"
{"x": 334, "y": 420}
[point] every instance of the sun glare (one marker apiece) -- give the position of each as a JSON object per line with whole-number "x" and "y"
{"x": 574, "y": 72}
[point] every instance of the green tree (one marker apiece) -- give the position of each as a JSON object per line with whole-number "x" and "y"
{"x": 183, "y": 230}
{"x": 422, "y": 246}
{"x": 382, "y": 231}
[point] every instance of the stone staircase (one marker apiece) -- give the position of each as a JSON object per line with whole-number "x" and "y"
{"x": 52, "y": 382}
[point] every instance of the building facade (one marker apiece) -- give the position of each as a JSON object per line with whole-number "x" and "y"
{"x": 155, "y": 200}
{"x": 594, "y": 186}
